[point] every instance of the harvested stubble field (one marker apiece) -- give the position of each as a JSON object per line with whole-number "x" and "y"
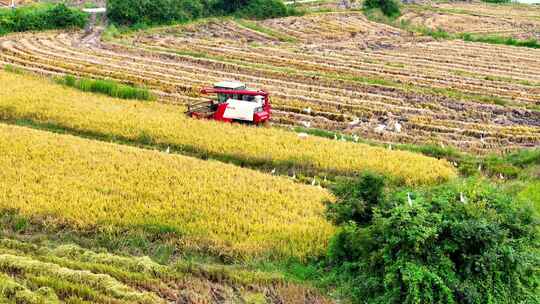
{"x": 373, "y": 80}
{"x": 515, "y": 20}
{"x": 60, "y": 273}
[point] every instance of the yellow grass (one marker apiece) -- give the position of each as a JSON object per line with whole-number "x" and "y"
{"x": 42, "y": 102}
{"x": 90, "y": 185}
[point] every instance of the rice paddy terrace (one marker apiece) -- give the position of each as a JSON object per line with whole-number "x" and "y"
{"x": 336, "y": 71}
{"x": 516, "y": 20}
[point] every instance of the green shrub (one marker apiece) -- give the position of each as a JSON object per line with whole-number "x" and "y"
{"x": 130, "y": 12}
{"x": 40, "y": 17}
{"x": 261, "y": 9}
{"x": 357, "y": 198}
{"x": 390, "y": 8}
{"x": 229, "y": 6}
{"x": 140, "y": 13}
{"x": 455, "y": 243}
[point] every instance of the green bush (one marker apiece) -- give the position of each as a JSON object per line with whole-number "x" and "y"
{"x": 390, "y": 8}
{"x": 455, "y": 243}
{"x": 154, "y": 12}
{"x": 229, "y": 6}
{"x": 130, "y": 12}
{"x": 357, "y": 199}
{"x": 261, "y": 9}
{"x": 40, "y": 17}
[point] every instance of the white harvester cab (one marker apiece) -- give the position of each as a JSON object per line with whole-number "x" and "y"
{"x": 240, "y": 107}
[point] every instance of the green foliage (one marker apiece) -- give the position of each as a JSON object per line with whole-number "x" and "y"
{"x": 492, "y": 39}
{"x": 438, "y": 33}
{"x": 455, "y": 243}
{"x": 390, "y": 8}
{"x": 139, "y": 13}
{"x": 229, "y": 6}
{"x": 40, "y": 17}
{"x": 261, "y": 9}
{"x": 357, "y": 198}
{"x": 107, "y": 87}
{"x": 531, "y": 195}
{"x": 512, "y": 165}
{"x": 13, "y": 69}
{"x": 131, "y": 12}
{"x": 110, "y": 33}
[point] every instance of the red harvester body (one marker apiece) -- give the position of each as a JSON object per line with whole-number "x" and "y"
{"x": 234, "y": 103}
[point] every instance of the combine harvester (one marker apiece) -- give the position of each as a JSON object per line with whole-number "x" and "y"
{"x": 234, "y": 103}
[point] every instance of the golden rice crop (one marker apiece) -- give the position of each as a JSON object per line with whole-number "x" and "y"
{"x": 90, "y": 185}
{"x": 45, "y": 103}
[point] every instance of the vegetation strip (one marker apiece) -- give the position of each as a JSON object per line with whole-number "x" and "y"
{"x": 107, "y": 87}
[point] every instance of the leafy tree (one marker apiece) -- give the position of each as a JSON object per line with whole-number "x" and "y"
{"x": 357, "y": 198}
{"x": 40, "y": 17}
{"x": 389, "y": 7}
{"x": 456, "y": 243}
{"x": 261, "y": 9}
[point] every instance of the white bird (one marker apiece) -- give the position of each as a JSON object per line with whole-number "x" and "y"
{"x": 390, "y": 147}
{"x": 479, "y": 167}
{"x": 168, "y": 150}
{"x": 273, "y": 171}
{"x": 355, "y": 138}
{"x": 313, "y": 182}
{"x": 482, "y": 138}
{"x": 380, "y": 128}
{"x": 462, "y": 198}
{"x": 294, "y": 175}
{"x": 501, "y": 176}
{"x": 307, "y": 110}
{"x": 306, "y": 124}
{"x": 409, "y": 200}
{"x": 397, "y": 127}
{"x": 303, "y": 135}
{"x": 354, "y": 122}
{"x": 335, "y": 137}
{"x": 455, "y": 164}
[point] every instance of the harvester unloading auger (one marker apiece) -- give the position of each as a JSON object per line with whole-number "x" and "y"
{"x": 234, "y": 102}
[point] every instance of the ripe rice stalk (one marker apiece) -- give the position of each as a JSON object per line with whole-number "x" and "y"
{"x": 91, "y": 186}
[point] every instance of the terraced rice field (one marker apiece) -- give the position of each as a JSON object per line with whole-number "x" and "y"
{"x": 371, "y": 79}
{"x": 65, "y": 273}
{"x": 210, "y": 206}
{"x": 516, "y": 20}
{"x": 163, "y": 126}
